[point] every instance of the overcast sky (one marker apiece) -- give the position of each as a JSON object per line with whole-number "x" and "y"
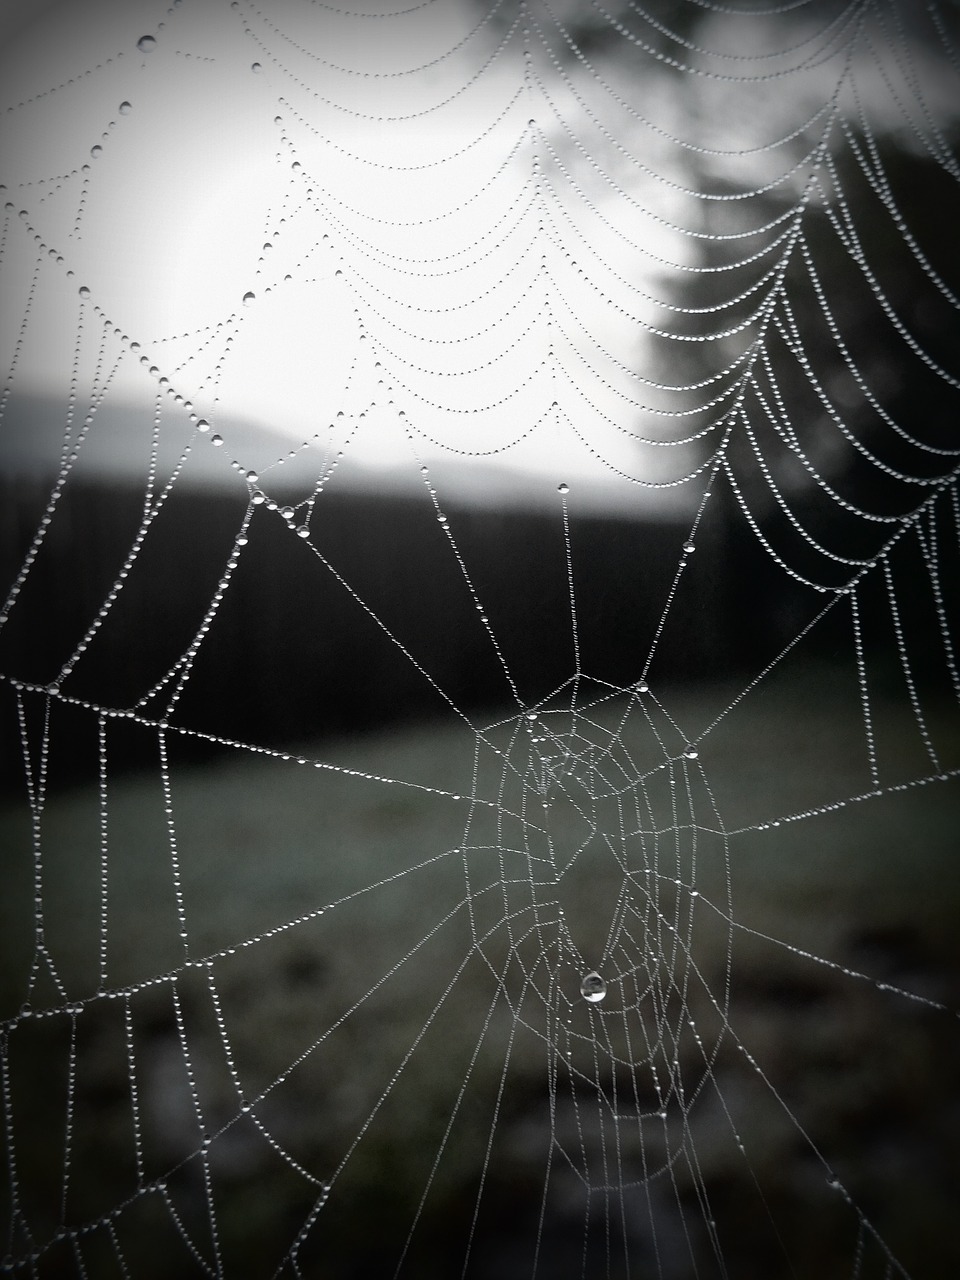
{"x": 264, "y": 152}
{"x": 240, "y": 135}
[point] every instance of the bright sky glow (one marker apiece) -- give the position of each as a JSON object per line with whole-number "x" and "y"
{"x": 388, "y": 219}
{"x": 454, "y": 250}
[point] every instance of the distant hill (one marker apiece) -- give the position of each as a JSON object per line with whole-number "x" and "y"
{"x": 118, "y": 448}
{"x": 368, "y": 621}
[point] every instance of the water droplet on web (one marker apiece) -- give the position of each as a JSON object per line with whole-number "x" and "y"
{"x": 249, "y": 298}
{"x": 691, "y": 753}
{"x": 563, "y": 488}
{"x": 203, "y": 425}
{"x": 256, "y": 68}
{"x": 96, "y": 151}
{"x": 125, "y": 108}
{"x": 287, "y": 513}
{"x": 217, "y": 440}
{"x": 84, "y": 291}
{"x": 688, "y": 547}
{"x": 592, "y": 987}
{"x": 146, "y": 43}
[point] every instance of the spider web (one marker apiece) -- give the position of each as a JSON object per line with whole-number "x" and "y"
{"x": 478, "y": 660}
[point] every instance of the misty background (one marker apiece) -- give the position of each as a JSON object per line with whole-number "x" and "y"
{"x": 304, "y": 329}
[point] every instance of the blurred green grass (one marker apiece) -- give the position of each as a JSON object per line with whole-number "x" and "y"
{"x": 871, "y": 887}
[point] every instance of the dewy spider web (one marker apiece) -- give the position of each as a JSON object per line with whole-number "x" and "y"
{"x": 632, "y": 953}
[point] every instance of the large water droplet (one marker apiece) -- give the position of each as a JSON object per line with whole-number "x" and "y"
{"x": 592, "y": 987}
{"x": 96, "y": 151}
{"x": 256, "y": 67}
{"x": 146, "y": 43}
{"x": 249, "y": 298}
{"x": 563, "y": 488}
{"x": 84, "y": 291}
{"x": 125, "y": 108}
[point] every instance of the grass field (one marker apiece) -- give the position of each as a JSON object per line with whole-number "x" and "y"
{"x": 871, "y": 887}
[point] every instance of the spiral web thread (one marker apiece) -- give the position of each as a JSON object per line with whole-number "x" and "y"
{"x": 699, "y": 255}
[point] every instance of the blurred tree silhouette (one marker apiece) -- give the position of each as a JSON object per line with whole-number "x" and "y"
{"x": 665, "y": 28}
{"x": 847, "y": 360}
{"x": 816, "y": 290}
